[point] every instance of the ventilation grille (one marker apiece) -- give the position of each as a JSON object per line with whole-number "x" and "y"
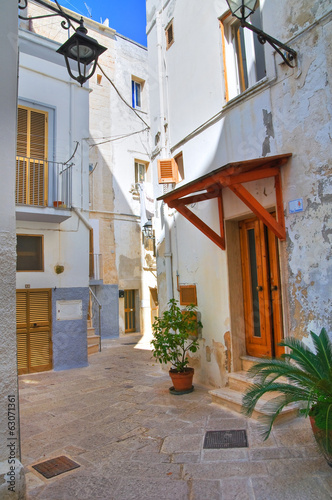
{"x": 188, "y": 295}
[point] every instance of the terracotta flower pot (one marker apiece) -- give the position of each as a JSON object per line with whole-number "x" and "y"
{"x": 320, "y": 436}
{"x": 57, "y": 204}
{"x": 182, "y": 381}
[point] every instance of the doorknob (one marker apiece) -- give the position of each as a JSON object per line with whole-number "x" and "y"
{"x": 259, "y": 288}
{"x": 274, "y": 287}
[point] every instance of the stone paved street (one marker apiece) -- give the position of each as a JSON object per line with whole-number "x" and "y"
{"x": 134, "y": 440}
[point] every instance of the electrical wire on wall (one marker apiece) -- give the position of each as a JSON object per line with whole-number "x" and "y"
{"x": 121, "y": 97}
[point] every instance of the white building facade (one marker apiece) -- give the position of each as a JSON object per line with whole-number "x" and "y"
{"x": 246, "y": 139}
{"x": 52, "y": 203}
{"x": 122, "y": 266}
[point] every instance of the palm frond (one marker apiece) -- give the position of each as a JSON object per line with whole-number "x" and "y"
{"x": 302, "y": 355}
{"x": 256, "y": 391}
{"x": 273, "y": 408}
{"x": 323, "y": 349}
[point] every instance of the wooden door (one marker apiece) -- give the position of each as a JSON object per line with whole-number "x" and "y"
{"x": 130, "y": 311}
{"x": 33, "y": 326}
{"x": 261, "y": 289}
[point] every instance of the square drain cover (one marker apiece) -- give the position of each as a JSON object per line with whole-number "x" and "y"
{"x": 225, "y": 439}
{"x": 55, "y": 466}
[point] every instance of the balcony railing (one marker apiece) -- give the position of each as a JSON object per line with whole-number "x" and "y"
{"x": 96, "y": 266}
{"x": 43, "y": 183}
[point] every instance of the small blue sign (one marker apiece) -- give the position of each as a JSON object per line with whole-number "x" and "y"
{"x": 296, "y": 206}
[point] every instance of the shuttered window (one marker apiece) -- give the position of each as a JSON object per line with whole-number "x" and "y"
{"x": 31, "y": 163}
{"x": 167, "y": 171}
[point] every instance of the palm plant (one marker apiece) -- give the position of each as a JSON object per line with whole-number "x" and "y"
{"x": 308, "y": 383}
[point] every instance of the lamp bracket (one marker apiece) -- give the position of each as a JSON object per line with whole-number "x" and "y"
{"x": 65, "y": 24}
{"x": 264, "y": 37}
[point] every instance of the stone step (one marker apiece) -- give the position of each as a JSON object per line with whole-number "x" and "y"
{"x": 248, "y": 361}
{"x": 239, "y": 381}
{"x": 232, "y": 400}
{"x": 93, "y": 339}
{"x": 92, "y": 349}
{"x": 91, "y": 331}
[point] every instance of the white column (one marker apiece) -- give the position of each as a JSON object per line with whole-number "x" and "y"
{"x": 13, "y": 486}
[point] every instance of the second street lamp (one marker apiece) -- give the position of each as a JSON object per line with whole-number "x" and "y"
{"x": 242, "y": 9}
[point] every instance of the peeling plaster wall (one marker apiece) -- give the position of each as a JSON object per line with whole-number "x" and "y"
{"x": 288, "y": 112}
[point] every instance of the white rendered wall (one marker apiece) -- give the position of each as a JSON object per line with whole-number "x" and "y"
{"x": 8, "y": 365}
{"x": 288, "y": 112}
{"x": 47, "y": 84}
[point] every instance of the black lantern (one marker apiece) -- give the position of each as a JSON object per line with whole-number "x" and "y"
{"x": 242, "y": 9}
{"x": 84, "y": 50}
{"x": 80, "y": 47}
{"x": 148, "y": 231}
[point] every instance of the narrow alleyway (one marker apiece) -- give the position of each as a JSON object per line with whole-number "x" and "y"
{"x": 134, "y": 440}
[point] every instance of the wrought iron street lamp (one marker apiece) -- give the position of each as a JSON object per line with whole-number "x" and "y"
{"x": 79, "y": 47}
{"x": 148, "y": 231}
{"x": 242, "y": 9}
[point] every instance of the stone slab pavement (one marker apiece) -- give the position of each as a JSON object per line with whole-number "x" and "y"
{"x": 134, "y": 440}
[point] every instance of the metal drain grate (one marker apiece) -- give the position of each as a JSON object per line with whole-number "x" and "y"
{"x": 225, "y": 439}
{"x": 55, "y": 466}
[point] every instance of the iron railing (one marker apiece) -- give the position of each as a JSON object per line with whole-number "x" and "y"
{"x": 95, "y": 309}
{"x": 43, "y": 183}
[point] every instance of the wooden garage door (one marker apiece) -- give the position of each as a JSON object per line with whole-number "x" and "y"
{"x": 33, "y": 326}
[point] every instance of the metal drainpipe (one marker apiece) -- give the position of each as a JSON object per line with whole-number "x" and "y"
{"x": 168, "y": 248}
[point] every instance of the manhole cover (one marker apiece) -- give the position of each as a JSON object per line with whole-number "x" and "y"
{"x": 55, "y": 466}
{"x": 225, "y": 439}
{"x": 129, "y": 343}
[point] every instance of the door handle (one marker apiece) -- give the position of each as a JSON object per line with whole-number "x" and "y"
{"x": 259, "y": 288}
{"x": 274, "y": 288}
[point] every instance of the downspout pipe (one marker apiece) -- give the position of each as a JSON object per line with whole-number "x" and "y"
{"x": 82, "y": 218}
{"x": 168, "y": 248}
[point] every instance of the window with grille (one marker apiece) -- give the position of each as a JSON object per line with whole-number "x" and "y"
{"x": 29, "y": 253}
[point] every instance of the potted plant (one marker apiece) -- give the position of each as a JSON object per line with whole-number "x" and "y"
{"x": 174, "y": 337}
{"x": 308, "y": 382}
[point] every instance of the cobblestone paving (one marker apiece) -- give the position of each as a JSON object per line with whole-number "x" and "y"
{"x": 134, "y": 440}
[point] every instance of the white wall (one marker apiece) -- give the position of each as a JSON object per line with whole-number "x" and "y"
{"x": 289, "y": 112}
{"x": 44, "y": 81}
{"x": 8, "y": 366}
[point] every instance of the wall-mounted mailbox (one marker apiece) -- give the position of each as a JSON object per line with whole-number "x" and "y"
{"x": 121, "y": 294}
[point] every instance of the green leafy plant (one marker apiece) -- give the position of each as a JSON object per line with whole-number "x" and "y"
{"x": 173, "y": 335}
{"x": 307, "y": 380}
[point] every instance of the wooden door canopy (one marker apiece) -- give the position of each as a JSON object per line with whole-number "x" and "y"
{"x": 232, "y": 176}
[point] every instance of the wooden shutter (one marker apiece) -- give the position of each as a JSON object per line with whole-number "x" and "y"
{"x": 33, "y": 322}
{"x": 167, "y": 171}
{"x": 188, "y": 295}
{"x": 22, "y": 153}
{"x": 22, "y": 332}
{"x": 31, "y": 165}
